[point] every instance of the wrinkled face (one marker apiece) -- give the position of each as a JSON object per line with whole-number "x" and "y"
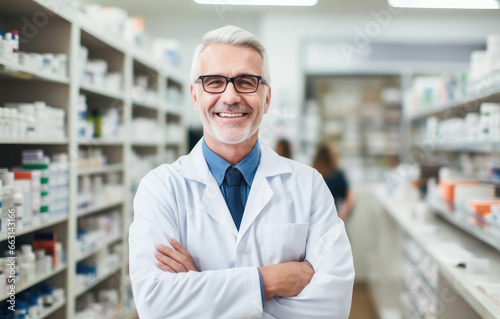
{"x": 230, "y": 117}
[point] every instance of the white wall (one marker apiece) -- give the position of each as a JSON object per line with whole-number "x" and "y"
{"x": 284, "y": 36}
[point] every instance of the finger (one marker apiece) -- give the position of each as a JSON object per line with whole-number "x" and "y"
{"x": 164, "y": 267}
{"x": 178, "y": 246}
{"x": 167, "y": 260}
{"x": 176, "y": 256}
{"x": 182, "y": 257}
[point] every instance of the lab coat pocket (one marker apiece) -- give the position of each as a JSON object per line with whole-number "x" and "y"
{"x": 284, "y": 242}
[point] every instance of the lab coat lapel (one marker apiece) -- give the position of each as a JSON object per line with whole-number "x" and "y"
{"x": 259, "y": 197}
{"x": 261, "y": 192}
{"x": 216, "y": 206}
{"x": 195, "y": 168}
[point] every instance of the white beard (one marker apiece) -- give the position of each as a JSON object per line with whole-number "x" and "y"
{"x": 244, "y": 134}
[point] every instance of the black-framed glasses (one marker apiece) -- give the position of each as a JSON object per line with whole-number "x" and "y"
{"x": 242, "y": 83}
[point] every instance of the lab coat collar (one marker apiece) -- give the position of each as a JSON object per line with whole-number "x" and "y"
{"x": 271, "y": 164}
{"x": 195, "y": 167}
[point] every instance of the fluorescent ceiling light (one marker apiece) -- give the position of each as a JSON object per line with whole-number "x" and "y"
{"x": 446, "y": 4}
{"x": 261, "y": 2}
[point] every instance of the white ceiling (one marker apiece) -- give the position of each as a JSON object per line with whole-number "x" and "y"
{"x": 176, "y": 8}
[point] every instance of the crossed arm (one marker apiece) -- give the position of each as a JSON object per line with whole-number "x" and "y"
{"x": 279, "y": 280}
{"x": 162, "y": 292}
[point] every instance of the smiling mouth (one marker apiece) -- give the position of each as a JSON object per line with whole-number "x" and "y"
{"x": 231, "y": 114}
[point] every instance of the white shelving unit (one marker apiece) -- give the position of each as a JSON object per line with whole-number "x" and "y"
{"x": 457, "y": 293}
{"x": 488, "y": 90}
{"x": 66, "y": 30}
{"x": 462, "y": 219}
{"x": 42, "y": 225}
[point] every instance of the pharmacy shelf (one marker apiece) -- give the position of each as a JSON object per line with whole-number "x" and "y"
{"x": 145, "y": 59}
{"x": 417, "y": 270}
{"x": 488, "y": 92}
{"x": 173, "y": 74}
{"x": 98, "y": 91}
{"x": 98, "y": 208}
{"x": 100, "y": 33}
{"x": 74, "y": 28}
{"x": 173, "y": 109}
{"x": 479, "y": 147}
{"x": 100, "y": 142}
{"x": 147, "y": 104}
{"x": 490, "y": 181}
{"x": 17, "y": 71}
{"x": 112, "y": 168}
{"x": 145, "y": 144}
{"x": 382, "y": 152}
{"x": 461, "y": 220}
{"x": 416, "y": 305}
{"x": 173, "y": 143}
{"x": 432, "y": 236}
{"x": 42, "y": 225}
{"x": 33, "y": 141}
{"x": 100, "y": 246}
{"x": 50, "y": 310}
{"x": 81, "y": 290}
{"x": 38, "y": 280}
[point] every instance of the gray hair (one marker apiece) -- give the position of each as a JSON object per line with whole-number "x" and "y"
{"x": 230, "y": 35}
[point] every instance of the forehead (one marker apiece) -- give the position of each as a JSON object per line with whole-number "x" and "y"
{"x": 230, "y": 60}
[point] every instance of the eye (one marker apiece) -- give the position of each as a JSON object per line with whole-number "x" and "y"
{"x": 246, "y": 81}
{"x": 214, "y": 81}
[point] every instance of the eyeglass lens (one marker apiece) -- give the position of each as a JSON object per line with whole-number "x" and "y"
{"x": 217, "y": 84}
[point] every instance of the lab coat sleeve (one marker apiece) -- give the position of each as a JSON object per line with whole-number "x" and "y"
{"x": 329, "y": 293}
{"x": 231, "y": 293}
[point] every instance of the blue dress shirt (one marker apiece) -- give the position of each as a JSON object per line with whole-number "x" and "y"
{"x": 218, "y": 167}
{"x": 248, "y": 166}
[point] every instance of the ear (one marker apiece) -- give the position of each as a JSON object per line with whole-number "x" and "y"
{"x": 268, "y": 100}
{"x": 193, "y": 88}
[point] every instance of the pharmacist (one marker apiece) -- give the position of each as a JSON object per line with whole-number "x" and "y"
{"x": 233, "y": 230}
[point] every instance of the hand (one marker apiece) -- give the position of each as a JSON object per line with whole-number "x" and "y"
{"x": 175, "y": 259}
{"x": 286, "y": 279}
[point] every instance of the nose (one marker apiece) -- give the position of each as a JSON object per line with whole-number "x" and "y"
{"x": 230, "y": 96}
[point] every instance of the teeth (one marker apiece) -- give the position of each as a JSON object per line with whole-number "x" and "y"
{"x": 231, "y": 114}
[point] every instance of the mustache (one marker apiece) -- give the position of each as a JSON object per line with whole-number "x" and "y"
{"x": 236, "y": 108}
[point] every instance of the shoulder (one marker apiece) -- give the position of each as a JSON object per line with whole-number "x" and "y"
{"x": 275, "y": 164}
{"x": 164, "y": 175}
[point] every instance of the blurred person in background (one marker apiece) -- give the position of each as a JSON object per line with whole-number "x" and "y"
{"x": 326, "y": 162}
{"x": 283, "y": 148}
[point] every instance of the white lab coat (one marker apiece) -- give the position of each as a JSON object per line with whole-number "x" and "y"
{"x": 289, "y": 216}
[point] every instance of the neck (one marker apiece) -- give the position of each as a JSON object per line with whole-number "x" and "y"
{"x": 232, "y": 153}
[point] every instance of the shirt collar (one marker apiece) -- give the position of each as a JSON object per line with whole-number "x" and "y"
{"x": 218, "y": 166}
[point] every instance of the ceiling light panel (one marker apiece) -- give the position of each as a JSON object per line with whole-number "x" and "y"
{"x": 261, "y": 2}
{"x": 446, "y": 4}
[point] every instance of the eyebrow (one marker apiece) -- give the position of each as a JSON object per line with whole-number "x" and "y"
{"x": 238, "y": 74}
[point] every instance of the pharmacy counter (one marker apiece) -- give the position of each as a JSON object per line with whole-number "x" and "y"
{"x": 467, "y": 271}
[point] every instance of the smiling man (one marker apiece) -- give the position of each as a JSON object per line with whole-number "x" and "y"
{"x": 232, "y": 230}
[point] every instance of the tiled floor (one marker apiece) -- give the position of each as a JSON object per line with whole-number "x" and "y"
{"x": 362, "y": 306}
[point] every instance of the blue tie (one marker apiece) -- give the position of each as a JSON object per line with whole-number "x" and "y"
{"x": 234, "y": 202}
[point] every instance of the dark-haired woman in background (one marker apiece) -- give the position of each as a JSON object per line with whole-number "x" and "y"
{"x": 326, "y": 162}
{"x": 283, "y": 148}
